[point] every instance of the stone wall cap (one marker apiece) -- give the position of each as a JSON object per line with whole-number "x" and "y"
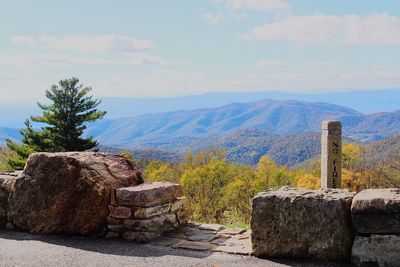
{"x": 292, "y": 192}
{"x": 377, "y": 200}
{"x": 149, "y": 194}
{"x": 147, "y": 186}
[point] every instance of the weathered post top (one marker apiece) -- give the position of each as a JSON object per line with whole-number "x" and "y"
{"x": 331, "y": 154}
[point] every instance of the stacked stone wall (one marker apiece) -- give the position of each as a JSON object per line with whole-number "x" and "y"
{"x": 144, "y": 212}
{"x": 376, "y": 219}
{"x": 330, "y": 224}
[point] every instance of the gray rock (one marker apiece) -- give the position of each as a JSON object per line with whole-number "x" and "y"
{"x": 202, "y": 237}
{"x": 111, "y": 220}
{"x": 298, "y": 223}
{"x": 178, "y": 205}
{"x": 146, "y": 213}
{"x": 111, "y": 234}
{"x": 211, "y": 227}
{"x": 162, "y": 223}
{"x": 234, "y": 246}
{"x": 232, "y": 231}
{"x": 376, "y": 250}
{"x": 182, "y": 217}
{"x": 149, "y": 194}
{"x": 192, "y": 245}
{"x": 377, "y": 211}
{"x": 120, "y": 212}
{"x": 119, "y": 228}
{"x": 6, "y": 185}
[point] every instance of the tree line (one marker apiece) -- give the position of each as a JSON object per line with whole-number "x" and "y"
{"x": 220, "y": 191}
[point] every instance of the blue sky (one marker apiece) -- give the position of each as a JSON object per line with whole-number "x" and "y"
{"x": 172, "y": 48}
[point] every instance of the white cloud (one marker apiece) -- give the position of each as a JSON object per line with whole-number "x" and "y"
{"x": 61, "y": 60}
{"x": 49, "y": 60}
{"x": 212, "y": 18}
{"x": 146, "y": 59}
{"x": 377, "y": 29}
{"x": 6, "y": 77}
{"x": 272, "y": 64}
{"x": 83, "y": 43}
{"x": 322, "y": 64}
{"x": 326, "y": 81}
{"x": 258, "y": 5}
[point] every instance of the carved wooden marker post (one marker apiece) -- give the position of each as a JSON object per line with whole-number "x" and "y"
{"x": 331, "y": 154}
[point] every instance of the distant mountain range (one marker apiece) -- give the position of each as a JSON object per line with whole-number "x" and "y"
{"x": 172, "y": 130}
{"x": 165, "y": 130}
{"x": 370, "y": 101}
{"x": 286, "y": 130}
{"x": 365, "y": 101}
{"x": 10, "y": 133}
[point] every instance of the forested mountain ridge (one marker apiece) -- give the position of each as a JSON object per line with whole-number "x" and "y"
{"x": 275, "y": 117}
{"x": 288, "y": 131}
{"x": 366, "y": 101}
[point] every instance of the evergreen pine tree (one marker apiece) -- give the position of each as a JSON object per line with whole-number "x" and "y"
{"x": 64, "y": 117}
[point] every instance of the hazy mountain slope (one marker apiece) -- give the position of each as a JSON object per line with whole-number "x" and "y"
{"x": 14, "y": 114}
{"x": 371, "y": 127}
{"x": 242, "y": 146}
{"x": 366, "y": 101}
{"x": 10, "y": 133}
{"x": 386, "y": 150}
{"x": 279, "y": 117}
{"x": 247, "y": 146}
{"x": 281, "y": 129}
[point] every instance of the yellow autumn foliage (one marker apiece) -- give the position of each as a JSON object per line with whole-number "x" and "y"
{"x": 220, "y": 191}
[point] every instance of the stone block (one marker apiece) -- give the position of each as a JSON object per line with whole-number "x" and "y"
{"x": 377, "y": 211}
{"x": 149, "y": 194}
{"x": 159, "y": 223}
{"x": 211, "y": 227}
{"x": 376, "y": 250}
{"x": 297, "y": 223}
{"x": 10, "y": 226}
{"x": 113, "y": 198}
{"x": 111, "y": 220}
{"x": 146, "y": 213}
{"x": 111, "y": 234}
{"x": 118, "y": 228}
{"x": 140, "y": 236}
{"x": 182, "y": 217}
{"x": 120, "y": 212}
{"x": 234, "y": 246}
{"x": 232, "y": 231}
{"x": 178, "y": 204}
{"x": 193, "y": 245}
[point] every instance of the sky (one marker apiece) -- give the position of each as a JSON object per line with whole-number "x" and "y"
{"x": 127, "y": 48}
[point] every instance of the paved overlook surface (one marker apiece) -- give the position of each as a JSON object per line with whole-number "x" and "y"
{"x": 24, "y": 249}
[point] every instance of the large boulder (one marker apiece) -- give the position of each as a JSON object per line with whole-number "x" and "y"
{"x": 6, "y": 184}
{"x": 69, "y": 193}
{"x": 298, "y": 223}
{"x": 377, "y": 211}
{"x": 376, "y": 250}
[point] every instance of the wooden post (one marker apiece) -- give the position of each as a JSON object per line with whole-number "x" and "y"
{"x": 331, "y": 154}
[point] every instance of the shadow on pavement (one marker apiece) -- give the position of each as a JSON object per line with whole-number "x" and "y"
{"x": 125, "y": 248}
